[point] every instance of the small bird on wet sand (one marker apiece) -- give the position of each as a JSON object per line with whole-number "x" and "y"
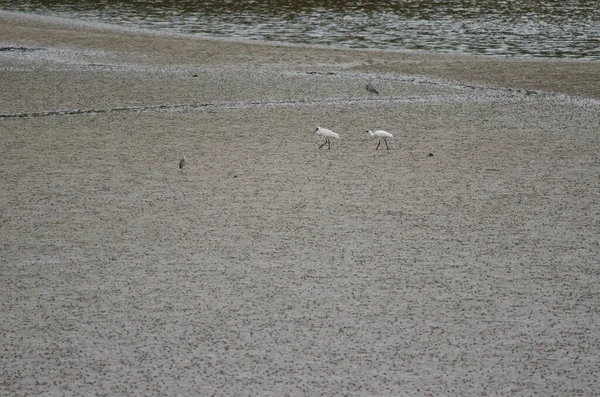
{"x": 381, "y": 134}
{"x": 372, "y": 89}
{"x": 182, "y": 162}
{"x": 327, "y": 134}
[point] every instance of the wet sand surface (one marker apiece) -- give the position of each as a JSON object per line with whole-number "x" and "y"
{"x": 461, "y": 261}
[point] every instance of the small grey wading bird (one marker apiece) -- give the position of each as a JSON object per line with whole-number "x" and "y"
{"x": 381, "y": 134}
{"x": 372, "y": 89}
{"x": 324, "y": 132}
{"x": 182, "y": 162}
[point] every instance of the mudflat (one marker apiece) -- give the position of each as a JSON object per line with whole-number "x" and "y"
{"x": 461, "y": 261}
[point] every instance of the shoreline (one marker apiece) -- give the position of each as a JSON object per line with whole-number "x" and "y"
{"x": 573, "y": 77}
{"x": 463, "y": 260}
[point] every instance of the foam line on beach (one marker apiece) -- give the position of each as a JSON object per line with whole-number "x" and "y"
{"x": 263, "y": 104}
{"x": 505, "y": 96}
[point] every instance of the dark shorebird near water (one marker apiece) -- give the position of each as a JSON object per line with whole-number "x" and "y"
{"x": 372, "y": 89}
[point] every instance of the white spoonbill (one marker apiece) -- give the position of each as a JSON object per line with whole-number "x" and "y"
{"x": 327, "y": 134}
{"x": 182, "y": 161}
{"x": 381, "y": 134}
{"x": 372, "y": 89}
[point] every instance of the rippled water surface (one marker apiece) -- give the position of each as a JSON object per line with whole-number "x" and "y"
{"x": 550, "y": 28}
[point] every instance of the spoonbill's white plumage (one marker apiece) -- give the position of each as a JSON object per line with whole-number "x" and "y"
{"x": 324, "y": 132}
{"x": 372, "y": 89}
{"x": 382, "y": 135}
{"x": 182, "y": 161}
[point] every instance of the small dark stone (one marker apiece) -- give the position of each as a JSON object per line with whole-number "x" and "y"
{"x": 430, "y": 154}
{"x": 195, "y": 75}
{"x": 235, "y": 176}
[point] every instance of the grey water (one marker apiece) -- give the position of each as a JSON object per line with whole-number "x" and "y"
{"x": 510, "y": 28}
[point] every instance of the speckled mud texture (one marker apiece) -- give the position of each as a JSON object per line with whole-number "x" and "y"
{"x": 464, "y": 260}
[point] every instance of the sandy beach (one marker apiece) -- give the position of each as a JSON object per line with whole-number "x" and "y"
{"x": 461, "y": 261}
